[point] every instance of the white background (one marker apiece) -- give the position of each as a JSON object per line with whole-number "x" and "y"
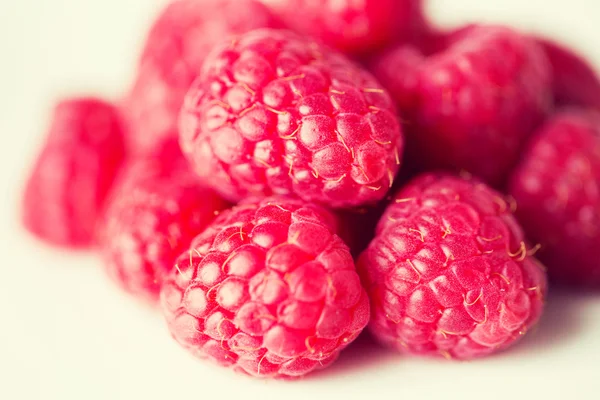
{"x": 67, "y": 333}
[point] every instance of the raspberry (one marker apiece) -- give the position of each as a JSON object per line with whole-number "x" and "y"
{"x": 173, "y": 53}
{"x": 448, "y": 272}
{"x": 268, "y": 289}
{"x": 575, "y": 81}
{"x": 471, "y": 106}
{"x": 349, "y": 25}
{"x": 155, "y": 211}
{"x": 557, "y": 187}
{"x": 80, "y": 157}
{"x": 274, "y": 113}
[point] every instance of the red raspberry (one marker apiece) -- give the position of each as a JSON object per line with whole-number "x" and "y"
{"x": 575, "y": 81}
{"x": 74, "y": 172}
{"x": 274, "y": 113}
{"x": 470, "y": 106}
{"x": 350, "y": 25}
{"x": 268, "y": 289}
{"x": 448, "y": 272}
{"x": 557, "y": 187}
{"x": 174, "y": 51}
{"x": 155, "y": 211}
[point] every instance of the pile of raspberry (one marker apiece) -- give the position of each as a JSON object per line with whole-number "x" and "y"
{"x": 281, "y": 176}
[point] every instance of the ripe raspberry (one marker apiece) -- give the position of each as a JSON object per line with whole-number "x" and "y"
{"x": 173, "y": 53}
{"x": 154, "y": 212}
{"x": 575, "y": 81}
{"x": 472, "y": 105}
{"x": 448, "y": 272}
{"x": 81, "y": 155}
{"x": 350, "y": 25}
{"x": 557, "y": 187}
{"x": 274, "y": 113}
{"x": 268, "y": 289}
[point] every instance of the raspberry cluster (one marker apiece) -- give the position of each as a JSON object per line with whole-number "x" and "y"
{"x": 284, "y": 173}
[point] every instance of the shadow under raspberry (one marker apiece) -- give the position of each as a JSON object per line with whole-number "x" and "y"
{"x": 560, "y": 324}
{"x": 362, "y": 355}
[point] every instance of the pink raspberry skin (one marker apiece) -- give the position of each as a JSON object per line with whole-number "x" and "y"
{"x": 471, "y": 106}
{"x": 154, "y": 212}
{"x": 448, "y": 272}
{"x": 74, "y": 171}
{"x": 575, "y": 81}
{"x": 268, "y": 290}
{"x": 276, "y": 114}
{"x": 352, "y": 26}
{"x": 557, "y": 187}
{"x": 175, "y": 48}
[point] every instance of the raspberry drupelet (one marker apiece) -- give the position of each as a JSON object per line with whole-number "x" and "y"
{"x": 175, "y": 48}
{"x": 81, "y": 155}
{"x": 273, "y": 113}
{"x": 268, "y": 289}
{"x": 155, "y": 210}
{"x": 448, "y": 273}
{"x": 472, "y": 104}
{"x": 557, "y": 187}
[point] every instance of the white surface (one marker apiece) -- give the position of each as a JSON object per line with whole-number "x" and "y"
{"x": 66, "y": 333}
